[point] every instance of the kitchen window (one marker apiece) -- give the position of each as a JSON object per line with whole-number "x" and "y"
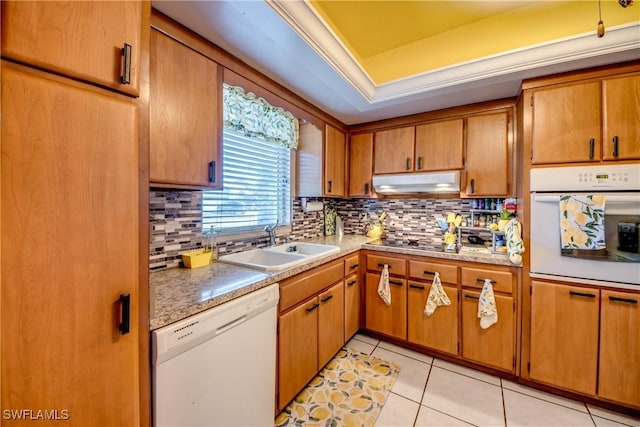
{"x": 258, "y": 141}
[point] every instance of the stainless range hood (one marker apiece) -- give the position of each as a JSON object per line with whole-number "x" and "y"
{"x": 416, "y": 183}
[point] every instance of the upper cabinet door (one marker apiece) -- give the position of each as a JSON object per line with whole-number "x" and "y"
{"x": 81, "y": 39}
{"x": 184, "y": 116}
{"x": 439, "y": 146}
{"x": 621, "y": 118}
{"x": 360, "y": 165}
{"x": 335, "y": 147}
{"x": 487, "y": 155}
{"x": 566, "y": 124}
{"x": 394, "y": 150}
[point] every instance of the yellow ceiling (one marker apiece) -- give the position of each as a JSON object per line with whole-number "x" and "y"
{"x": 396, "y": 39}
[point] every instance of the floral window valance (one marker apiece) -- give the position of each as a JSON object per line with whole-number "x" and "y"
{"x": 253, "y": 116}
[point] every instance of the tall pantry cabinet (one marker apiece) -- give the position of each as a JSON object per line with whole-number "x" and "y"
{"x": 70, "y": 212}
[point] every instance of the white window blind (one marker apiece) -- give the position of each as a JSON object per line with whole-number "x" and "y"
{"x": 256, "y": 186}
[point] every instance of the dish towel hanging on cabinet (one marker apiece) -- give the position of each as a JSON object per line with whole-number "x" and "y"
{"x": 515, "y": 245}
{"x": 582, "y": 221}
{"x": 437, "y": 296}
{"x": 487, "y": 311}
{"x": 383, "y": 285}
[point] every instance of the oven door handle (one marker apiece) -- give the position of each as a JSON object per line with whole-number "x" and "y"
{"x": 618, "y": 198}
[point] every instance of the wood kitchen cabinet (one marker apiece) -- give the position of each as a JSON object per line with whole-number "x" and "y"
{"x": 394, "y": 150}
{"x": 586, "y": 121}
{"x": 185, "y": 123}
{"x": 310, "y": 327}
{"x": 335, "y": 149}
{"x": 439, "y": 145}
{"x": 487, "y": 155}
{"x": 82, "y": 40}
{"x": 621, "y": 119}
{"x": 564, "y": 336}
{"x": 361, "y": 165}
{"x": 619, "y": 370}
{"x": 69, "y": 247}
{"x": 440, "y": 330}
{"x": 352, "y": 290}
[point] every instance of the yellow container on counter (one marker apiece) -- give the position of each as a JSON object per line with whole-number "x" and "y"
{"x": 195, "y": 259}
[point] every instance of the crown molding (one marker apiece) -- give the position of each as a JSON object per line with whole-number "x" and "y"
{"x": 305, "y": 21}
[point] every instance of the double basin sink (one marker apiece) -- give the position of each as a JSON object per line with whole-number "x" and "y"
{"x": 276, "y": 258}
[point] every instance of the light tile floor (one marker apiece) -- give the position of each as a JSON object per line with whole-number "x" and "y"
{"x": 432, "y": 392}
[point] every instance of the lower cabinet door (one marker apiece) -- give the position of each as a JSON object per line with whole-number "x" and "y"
{"x": 330, "y": 323}
{"x": 564, "y": 336}
{"x": 387, "y": 319}
{"x": 494, "y": 346}
{"x": 297, "y": 349}
{"x": 438, "y": 331}
{"x": 351, "y": 306}
{"x": 619, "y": 378}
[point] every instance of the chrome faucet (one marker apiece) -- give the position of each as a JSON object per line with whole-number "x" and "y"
{"x": 271, "y": 231}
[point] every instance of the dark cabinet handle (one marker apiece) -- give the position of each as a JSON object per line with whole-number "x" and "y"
{"x": 472, "y": 297}
{"x": 366, "y": 188}
{"x": 393, "y": 282}
{"x": 327, "y": 298}
{"x": 627, "y": 300}
{"x": 482, "y": 280}
{"x": 417, "y": 287}
{"x": 408, "y": 163}
{"x": 330, "y": 185}
{"x": 352, "y": 266}
{"x": 615, "y": 146}
{"x": 126, "y": 64}
{"x": 212, "y": 171}
{"x": 429, "y": 272}
{"x": 581, "y": 294}
{"x": 351, "y": 283}
{"x": 472, "y": 186}
{"x": 592, "y": 147}
{"x": 382, "y": 266}
{"x": 420, "y": 163}
{"x": 125, "y": 313}
{"x": 313, "y": 307}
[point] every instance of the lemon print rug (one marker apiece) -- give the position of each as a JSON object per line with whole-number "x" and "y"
{"x": 349, "y": 391}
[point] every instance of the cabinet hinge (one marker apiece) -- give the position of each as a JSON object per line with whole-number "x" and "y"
{"x": 528, "y": 367}
{"x": 514, "y": 306}
{"x": 530, "y": 290}
{"x": 531, "y": 157}
{"x": 531, "y": 100}
{"x": 514, "y": 361}
{"x": 458, "y": 346}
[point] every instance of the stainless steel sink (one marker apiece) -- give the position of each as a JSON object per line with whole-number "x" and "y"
{"x": 276, "y": 258}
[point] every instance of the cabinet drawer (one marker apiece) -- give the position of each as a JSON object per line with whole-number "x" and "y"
{"x": 397, "y": 266}
{"x": 426, "y": 270}
{"x": 302, "y": 286}
{"x": 351, "y": 264}
{"x": 502, "y": 281}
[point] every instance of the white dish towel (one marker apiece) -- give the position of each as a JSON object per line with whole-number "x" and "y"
{"x": 383, "y": 285}
{"x": 487, "y": 311}
{"x": 437, "y": 296}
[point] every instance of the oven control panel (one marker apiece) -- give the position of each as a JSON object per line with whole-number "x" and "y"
{"x": 586, "y": 178}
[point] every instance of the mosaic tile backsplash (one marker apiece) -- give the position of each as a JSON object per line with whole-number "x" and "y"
{"x": 176, "y": 222}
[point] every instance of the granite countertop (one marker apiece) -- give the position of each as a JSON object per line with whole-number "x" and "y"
{"x": 178, "y": 293}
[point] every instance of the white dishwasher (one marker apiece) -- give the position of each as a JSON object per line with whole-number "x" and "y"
{"x": 218, "y": 368}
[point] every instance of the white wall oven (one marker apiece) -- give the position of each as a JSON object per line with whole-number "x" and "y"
{"x": 585, "y": 224}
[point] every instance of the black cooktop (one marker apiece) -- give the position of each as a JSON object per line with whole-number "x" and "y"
{"x": 424, "y": 245}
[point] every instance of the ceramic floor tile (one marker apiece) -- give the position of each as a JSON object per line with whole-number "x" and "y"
{"x": 465, "y": 398}
{"x": 428, "y": 417}
{"x": 523, "y": 410}
{"x": 397, "y": 412}
{"x": 412, "y": 377}
{"x": 482, "y": 376}
{"x": 366, "y": 338}
{"x": 558, "y": 400}
{"x": 406, "y": 352}
{"x": 603, "y": 422}
{"x": 360, "y": 346}
{"x": 614, "y": 416}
